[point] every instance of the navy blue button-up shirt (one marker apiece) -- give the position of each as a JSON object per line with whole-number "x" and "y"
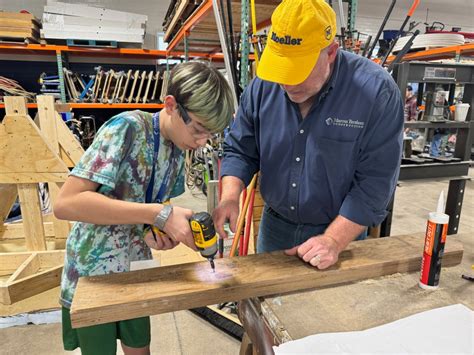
{"x": 343, "y": 158}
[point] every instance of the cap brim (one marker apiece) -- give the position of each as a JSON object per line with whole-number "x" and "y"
{"x": 285, "y": 70}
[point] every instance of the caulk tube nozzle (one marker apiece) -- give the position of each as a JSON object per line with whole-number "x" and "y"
{"x": 440, "y": 208}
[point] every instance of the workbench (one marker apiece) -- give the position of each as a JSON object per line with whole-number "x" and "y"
{"x": 352, "y": 306}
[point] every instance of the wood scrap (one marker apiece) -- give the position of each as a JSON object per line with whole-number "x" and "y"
{"x": 166, "y": 289}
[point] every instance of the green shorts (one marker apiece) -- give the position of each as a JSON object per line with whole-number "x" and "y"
{"x": 102, "y": 339}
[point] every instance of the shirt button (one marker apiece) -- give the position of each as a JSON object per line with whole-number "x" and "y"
{"x": 293, "y": 184}
{"x": 301, "y": 131}
{"x": 292, "y": 208}
{"x": 298, "y": 159}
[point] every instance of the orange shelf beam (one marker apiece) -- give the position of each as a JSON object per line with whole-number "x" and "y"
{"x": 190, "y": 24}
{"x": 438, "y": 53}
{"x": 85, "y": 105}
{"x": 47, "y": 49}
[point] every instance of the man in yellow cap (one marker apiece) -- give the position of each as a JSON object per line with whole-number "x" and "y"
{"x": 324, "y": 127}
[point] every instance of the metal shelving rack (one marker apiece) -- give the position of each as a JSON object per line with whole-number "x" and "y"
{"x": 456, "y": 172}
{"x": 62, "y": 53}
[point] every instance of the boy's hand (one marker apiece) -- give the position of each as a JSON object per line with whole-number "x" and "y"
{"x": 177, "y": 227}
{"x": 163, "y": 242}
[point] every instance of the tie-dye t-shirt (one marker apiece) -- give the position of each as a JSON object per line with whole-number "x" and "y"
{"x": 120, "y": 160}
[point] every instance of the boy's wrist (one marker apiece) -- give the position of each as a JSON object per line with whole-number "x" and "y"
{"x": 162, "y": 216}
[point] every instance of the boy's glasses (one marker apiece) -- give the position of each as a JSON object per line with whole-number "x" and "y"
{"x": 184, "y": 114}
{"x": 196, "y": 128}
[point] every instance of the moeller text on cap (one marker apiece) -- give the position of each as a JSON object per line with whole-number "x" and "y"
{"x": 286, "y": 40}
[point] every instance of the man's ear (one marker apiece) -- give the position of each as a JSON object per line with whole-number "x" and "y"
{"x": 332, "y": 51}
{"x": 170, "y": 104}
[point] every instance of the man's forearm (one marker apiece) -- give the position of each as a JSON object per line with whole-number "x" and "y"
{"x": 343, "y": 231}
{"x": 231, "y": 188}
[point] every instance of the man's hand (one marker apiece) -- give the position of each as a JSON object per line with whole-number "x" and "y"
{"x": 177, "y": 227}
{"x": 227, "y": 210}
{"x": 320, "y": 251}
{"x": 162, "y": 242}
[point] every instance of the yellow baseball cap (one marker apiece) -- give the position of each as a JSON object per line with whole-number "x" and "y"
{"x": 300, "y": 30}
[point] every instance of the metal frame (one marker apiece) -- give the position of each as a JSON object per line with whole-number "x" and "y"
{"x": 456, "y": 172}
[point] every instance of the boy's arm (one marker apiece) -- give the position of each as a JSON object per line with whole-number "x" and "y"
{"x": 79, "y": 201}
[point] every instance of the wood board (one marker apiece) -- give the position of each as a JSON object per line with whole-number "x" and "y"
{"x": 31, "y": 273}
{"x": 166, "y": 289}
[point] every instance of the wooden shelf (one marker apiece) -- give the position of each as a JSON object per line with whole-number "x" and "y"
{"x": 85, "y": 105}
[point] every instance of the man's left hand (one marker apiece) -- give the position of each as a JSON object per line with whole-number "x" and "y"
{"x": 320, "y": 251}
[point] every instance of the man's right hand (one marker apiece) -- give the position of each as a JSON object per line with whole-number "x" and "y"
{"x": 227, "y": 210}
{"x": 177, "y": 227}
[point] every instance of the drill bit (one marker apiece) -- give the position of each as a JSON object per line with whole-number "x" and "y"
{"x": 213, "y": 266}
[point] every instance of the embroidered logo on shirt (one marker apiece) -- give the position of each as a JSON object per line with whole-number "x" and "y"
{"x": 330, "y": 121}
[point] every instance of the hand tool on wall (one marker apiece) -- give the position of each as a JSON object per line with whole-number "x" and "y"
{"x": 135, "y": 78}
{"x": 118, "y": 85}
{"x": 108, "y": 76}
{"x": 150, "y": 77}
{"x": 125, "y": 87}
{"x": 157, "y": 79}
{"x": 382, "y": 26}
{"x": 98, "y": 81}
{"x": 142, "y": 81}
{"x": 400, "y": 31}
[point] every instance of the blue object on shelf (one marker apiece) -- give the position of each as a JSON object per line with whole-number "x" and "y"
{"x": 66, "y": 116}
{"x": 388, "y": 35}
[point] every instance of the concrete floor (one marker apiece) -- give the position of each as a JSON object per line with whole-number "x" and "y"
{"x": 184, "y": 333}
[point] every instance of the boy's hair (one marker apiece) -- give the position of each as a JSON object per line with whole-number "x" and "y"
{"x": 204, "y": 91}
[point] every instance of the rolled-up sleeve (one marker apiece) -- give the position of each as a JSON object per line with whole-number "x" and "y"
{"x": 241, "y": 157}
{"x": 379, "y": 160}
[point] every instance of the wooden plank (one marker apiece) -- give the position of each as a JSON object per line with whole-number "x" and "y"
{"x": 14, "y": 22}
{"x": 61, "y": 227}
{"x": 32, "y": 217}
{"x": 47, "y": 120}
{"x": 4, "y": 295}
{"x": 16, "y": 15}
{"x": 9, "y": 262}
{"x": 23, "y": 148}
{"x": 31, "y": 177}
{"x": 51, "y": 258}
{"x": 17, "y": 33}
{"x": 177, "y": 17}
{"x": 34, "y": 284}
{"x": 167, "y": 289}
{"x": 15, "y": 231}
{"x": 29, "y": 267}
{"x": 8, "y": 195}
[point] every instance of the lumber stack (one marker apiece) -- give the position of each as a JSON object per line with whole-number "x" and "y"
{"x": 19, "y": 27}
{"x": 66, "y": 21}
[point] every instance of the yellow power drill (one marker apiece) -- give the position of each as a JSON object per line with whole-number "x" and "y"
{"x": 205, "y": 236}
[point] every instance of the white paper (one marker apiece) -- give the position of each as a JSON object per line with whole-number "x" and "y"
{"x": 446, "y": 330}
